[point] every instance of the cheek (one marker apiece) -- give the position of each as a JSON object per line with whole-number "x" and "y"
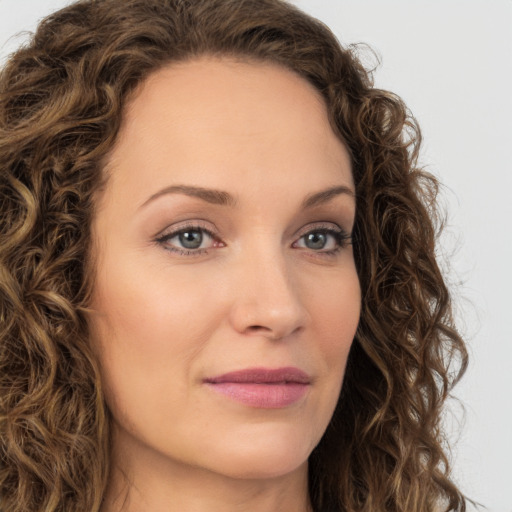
{"x": 147, "y": 332}
{"x": 145, "y": 308}
{"x": 335, "y": 305}
{"x": 335, "y": 309}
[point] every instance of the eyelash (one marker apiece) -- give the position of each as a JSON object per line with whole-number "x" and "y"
{"x": 341, "y": 237}
{"x": 166, "y": 236}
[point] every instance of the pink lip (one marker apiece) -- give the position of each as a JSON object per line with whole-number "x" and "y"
{"x": 262, "y": 387}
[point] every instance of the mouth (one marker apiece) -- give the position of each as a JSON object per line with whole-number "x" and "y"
{"x": 262, "y": 388}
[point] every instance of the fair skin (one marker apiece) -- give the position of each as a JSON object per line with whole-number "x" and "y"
{"x": 221, "y": 243}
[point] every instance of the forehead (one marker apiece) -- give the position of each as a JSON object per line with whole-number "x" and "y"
{"x": 243, "y": 78}
{"x": 213, "y": 119}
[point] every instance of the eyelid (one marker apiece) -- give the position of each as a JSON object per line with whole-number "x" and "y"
{"x": 343, "y": 237}
{"x": 175, "y": 230}
{"x": 324, "y": 226}
{"x": 179, "y": 227}
{"x": 329, "y": 226}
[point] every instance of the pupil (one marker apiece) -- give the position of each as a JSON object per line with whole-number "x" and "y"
{"x": 191, "y": 239}
{"x": 316, "y": 240}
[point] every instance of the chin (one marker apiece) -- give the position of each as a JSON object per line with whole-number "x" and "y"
{"x": 261, "y": 455}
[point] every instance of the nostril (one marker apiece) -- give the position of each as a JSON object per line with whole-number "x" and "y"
{"x": 254, "y": 328}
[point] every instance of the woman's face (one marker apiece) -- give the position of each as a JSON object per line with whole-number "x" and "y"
{"x": 226, "y": 296}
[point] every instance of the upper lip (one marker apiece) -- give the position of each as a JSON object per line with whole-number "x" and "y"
{"x": 285, "y": 375}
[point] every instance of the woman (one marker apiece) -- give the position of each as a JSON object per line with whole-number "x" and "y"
{"x": 219, "y": 288}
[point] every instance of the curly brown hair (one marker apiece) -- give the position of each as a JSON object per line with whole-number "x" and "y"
{"x": 61, "y": 107}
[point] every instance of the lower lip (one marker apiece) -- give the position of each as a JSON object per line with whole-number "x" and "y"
{"x": 263, "y": 396}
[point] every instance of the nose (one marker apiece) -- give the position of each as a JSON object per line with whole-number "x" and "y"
{"x": 268, "y": 300}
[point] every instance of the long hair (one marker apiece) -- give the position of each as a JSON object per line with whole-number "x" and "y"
{"x": 61, "y": 107}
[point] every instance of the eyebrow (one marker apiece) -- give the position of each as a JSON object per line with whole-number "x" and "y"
{"x": 222, "y": 198}
{"x": 324, "y": 196}
{"x": 209, "y": 195}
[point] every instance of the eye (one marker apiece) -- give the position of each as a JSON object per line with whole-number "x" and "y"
{"x": 317, "y": 240}
{"x": 325, "y": 240}
{"x": 188, "y": 240}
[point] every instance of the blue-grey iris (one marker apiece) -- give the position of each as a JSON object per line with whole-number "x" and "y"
{"x": 191, "y": 239}
{"x": 316, "y": 240}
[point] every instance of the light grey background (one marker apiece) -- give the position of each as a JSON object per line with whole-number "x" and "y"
{"x": 451, "y": 61}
